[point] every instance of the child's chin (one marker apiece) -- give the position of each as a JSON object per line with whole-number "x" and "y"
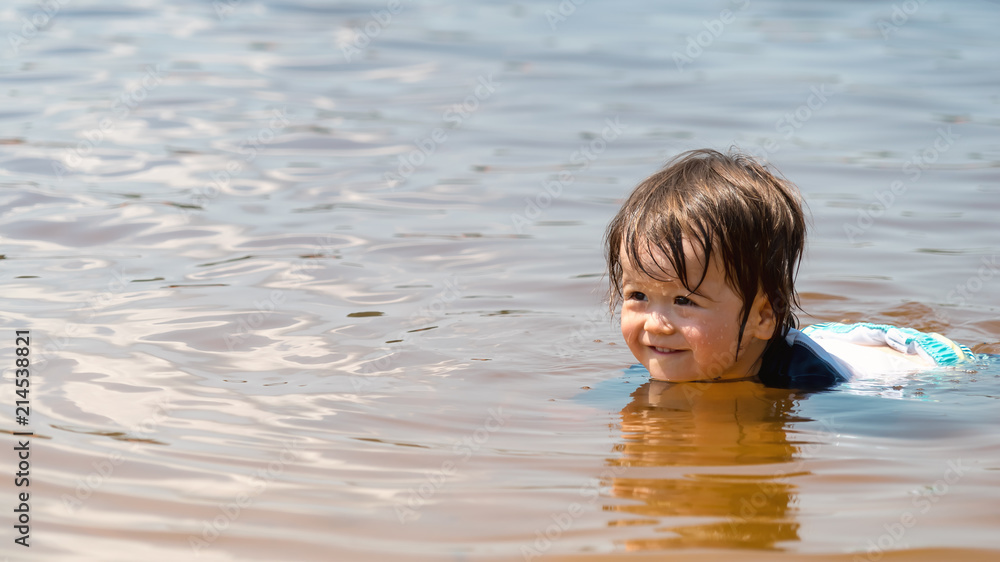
{"x": 672, "y": 377}
{"x": 678, "y": 377}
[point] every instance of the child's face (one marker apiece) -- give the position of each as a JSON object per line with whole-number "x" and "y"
{"x": 680, "y": 336}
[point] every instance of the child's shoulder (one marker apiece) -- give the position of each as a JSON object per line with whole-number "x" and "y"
{"x": 796, "y": 361}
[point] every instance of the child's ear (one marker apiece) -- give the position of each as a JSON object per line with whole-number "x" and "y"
{"x": 765, "y": 321}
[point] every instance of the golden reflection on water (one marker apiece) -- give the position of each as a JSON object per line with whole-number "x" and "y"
{"x": 707, "y": 426}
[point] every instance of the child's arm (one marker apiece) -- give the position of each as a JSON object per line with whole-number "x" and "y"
{"x": 880, "y": 349}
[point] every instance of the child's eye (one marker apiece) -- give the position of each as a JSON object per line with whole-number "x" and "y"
{"x": 636, "y": 296}
{"x": 683, "y": 301}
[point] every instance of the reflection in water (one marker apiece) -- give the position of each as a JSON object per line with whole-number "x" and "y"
{"x": 206, "y": 288}
{"x": 709, "y": 425}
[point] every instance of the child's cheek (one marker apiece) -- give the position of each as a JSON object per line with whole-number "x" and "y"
{"x": 628, "y": 324}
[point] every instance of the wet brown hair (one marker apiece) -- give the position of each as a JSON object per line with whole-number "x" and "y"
{"x": 725, "y": 203}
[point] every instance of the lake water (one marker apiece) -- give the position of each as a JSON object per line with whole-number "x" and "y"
{"x": 313, "y": 280}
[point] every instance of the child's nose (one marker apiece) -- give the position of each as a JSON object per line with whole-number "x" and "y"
{"x": 658, "y": 323}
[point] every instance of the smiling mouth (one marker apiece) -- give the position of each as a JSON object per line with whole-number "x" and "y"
{"x": 666, "y": 350}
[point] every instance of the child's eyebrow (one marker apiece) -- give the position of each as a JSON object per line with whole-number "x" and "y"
{"x": 643, "y": 277}
{"x": 645, "y": 280}
{"x": 626, "y": 280}
{"x": 702, "y": 295}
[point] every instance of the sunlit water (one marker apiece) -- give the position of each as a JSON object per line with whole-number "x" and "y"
{"x": 322, "y": 281}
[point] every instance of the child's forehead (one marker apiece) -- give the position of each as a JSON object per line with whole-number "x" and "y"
{"x": 656, "y": 270}
{"x": 655, "y": 257}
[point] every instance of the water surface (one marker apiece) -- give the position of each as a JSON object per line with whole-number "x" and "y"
{"x": 319, "y": 280}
